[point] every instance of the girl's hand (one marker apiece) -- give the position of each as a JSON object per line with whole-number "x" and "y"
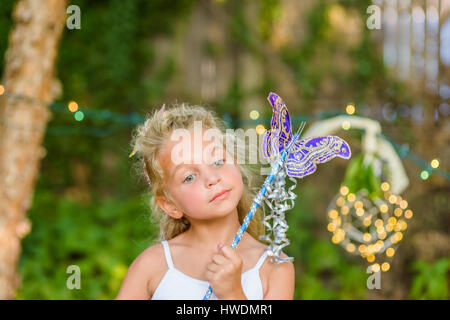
{"x": 224, "y": 274}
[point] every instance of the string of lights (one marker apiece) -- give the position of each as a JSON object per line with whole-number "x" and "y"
{"x": 125, "y": 121}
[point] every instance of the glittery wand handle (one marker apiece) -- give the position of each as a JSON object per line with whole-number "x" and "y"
{"x": 256, "y": 202}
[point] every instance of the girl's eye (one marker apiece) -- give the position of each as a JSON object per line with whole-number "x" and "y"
{"x": 219, "y": 162}
{"x": 188, "y": 178}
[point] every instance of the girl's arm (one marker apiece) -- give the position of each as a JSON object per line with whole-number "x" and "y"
{"x": 135, "y": 284}
{"x": 281, "y": 281}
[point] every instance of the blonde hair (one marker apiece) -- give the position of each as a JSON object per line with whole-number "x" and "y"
{"x": 150, "y": 137}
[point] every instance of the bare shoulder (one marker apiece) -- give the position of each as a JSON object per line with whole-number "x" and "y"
{"x": 280, "y": 279}
{"x": 252, "y": 244}
{"x": 144, "y": 272}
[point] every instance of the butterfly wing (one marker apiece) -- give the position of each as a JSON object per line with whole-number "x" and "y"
{"x": 306, "y": 154}
{"x": 280, "y": 134}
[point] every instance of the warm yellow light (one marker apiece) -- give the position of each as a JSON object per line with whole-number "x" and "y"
{"x": 380, "y": 229}
{"x": 340, "y": 201}
{"x": 340, "y": 233}
{"x": 336, "y": 239}
{"x": 367, "y": 221}
{"x": 350, "y": 247}
{"x": 379, "y": 245}
{"x": 351, "y": 197}
{"x": 385, "y": 266}
{"x": 385, "y": 186}
{"x": 384, "y": 208}
{"x": 398, "y": 212}
{"x": 403, "y": 204}
{"x": 371, "y": 258}
{"x": 358, "y": 204}
{"x": 254, "y": 114}
{"x": 367, "y": 237}
{"x": 397, "y": 237}
{"x": 392, "y": 199}
{"x": 344, "y": 190}
{"x": 382, "y": 236}
{"x": 2, "y": 89}
{"x": 404, "y": 225}
{"x": 260, "y": 129}
{"x": 333, "y": 214}
{"x": 408, "y": 214}
{"x": 392, "y": 221}
{"x": 434, "y": 163}
{"x": 345, "y": 125}
{"x": 389, "y": 227}
{"x": 345, "y": 210}
{"x": 390, "y": 252}
{"x": 331, "y": 227}
{"x": 73, "y": 106}
{"x": 376, "y": 267}
{"x": 350, "y": 109}
{"x": 379, "y": 223}
{"x": 359, "y": 212}
{"x": 362, "y": 248}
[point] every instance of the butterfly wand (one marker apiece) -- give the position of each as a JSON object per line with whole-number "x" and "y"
{"x": 277, "y": 166}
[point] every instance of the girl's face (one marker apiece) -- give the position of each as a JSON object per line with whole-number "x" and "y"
{"x": 194, "y": 185}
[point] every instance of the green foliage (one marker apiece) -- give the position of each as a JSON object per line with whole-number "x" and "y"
{"x": 5, "y": 25}
{"x": 270, "y": 11}
{"x": 101, "y": 67}
{"x": 324, "y": 271}
{"x": 330, "y": 275}
{"x": 231, "y": 100}
{"x": 102, "y": 238}
{"x": 430, "y": 280}
{"x": 358, "y": 177}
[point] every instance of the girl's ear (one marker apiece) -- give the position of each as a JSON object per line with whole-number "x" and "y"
{"x": 168, "y": 207}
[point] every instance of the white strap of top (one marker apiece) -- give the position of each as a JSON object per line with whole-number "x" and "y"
{"x": 167, "y": 254}
{"x": 170, "y": 262}
{"x": 261, "y": 260}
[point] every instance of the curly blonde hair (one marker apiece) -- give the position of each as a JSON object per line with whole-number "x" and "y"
{"x": 150, "y": 137}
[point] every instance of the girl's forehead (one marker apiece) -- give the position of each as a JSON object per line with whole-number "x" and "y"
{"x": 191, "y": 147}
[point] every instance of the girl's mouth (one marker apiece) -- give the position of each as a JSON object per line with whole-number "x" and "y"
{"x": 221, "y": 195}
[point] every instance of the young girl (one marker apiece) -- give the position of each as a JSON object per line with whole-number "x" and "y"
{"x": 200, "y": 206}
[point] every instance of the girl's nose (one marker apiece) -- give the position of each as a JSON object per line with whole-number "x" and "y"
{"x": 212, "y": 178}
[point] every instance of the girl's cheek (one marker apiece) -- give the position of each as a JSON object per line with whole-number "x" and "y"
{"x": 190, "y": 193}
{"x": 234, "y": 173}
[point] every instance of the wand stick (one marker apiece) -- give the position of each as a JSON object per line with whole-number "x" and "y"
{"x": 259, "y": 197}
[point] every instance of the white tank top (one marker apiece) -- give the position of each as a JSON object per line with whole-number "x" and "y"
{"x": 176, "y": 285}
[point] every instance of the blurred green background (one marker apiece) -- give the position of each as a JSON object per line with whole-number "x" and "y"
{"x": 129, "y": 57}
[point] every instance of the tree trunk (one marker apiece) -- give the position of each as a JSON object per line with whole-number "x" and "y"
{"x": 28, "y": 81}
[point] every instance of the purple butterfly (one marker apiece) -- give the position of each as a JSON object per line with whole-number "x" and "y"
{"x": 304, "y": 154}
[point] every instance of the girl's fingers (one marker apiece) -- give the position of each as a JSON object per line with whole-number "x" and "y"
{"x": 213, "y": 267}
{"x": 230, "y": 254}
{"x": 219, "y": 259}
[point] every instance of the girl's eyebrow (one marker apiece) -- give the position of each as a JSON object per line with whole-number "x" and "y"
{"x": 178, "y": 166}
